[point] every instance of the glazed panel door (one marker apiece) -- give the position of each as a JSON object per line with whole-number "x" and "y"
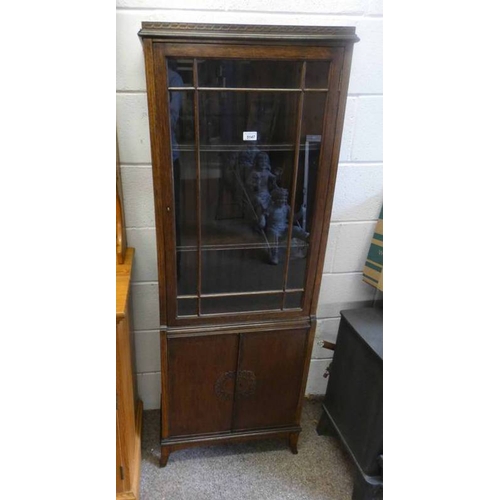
{"x": 244, "y": 137}
{"x": 201, "y": 375}
{"x": 269, "y": 379}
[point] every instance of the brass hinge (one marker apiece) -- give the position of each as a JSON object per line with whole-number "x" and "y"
{"x": 122, "y": 473}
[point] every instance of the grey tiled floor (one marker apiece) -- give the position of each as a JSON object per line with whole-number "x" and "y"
{"x": 256, "y": 470}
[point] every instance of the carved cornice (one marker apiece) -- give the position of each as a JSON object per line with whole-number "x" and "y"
{"x": 152, "y": 29}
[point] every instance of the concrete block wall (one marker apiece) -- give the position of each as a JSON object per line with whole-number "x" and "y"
{"x": 358, "y": 194}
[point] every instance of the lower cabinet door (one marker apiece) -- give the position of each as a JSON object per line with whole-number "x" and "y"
{"x": 201, "y": 381}
{"x": 269, "y": 378}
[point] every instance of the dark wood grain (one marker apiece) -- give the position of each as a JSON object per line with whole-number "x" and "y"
{"x": 246, "y": 52}
{"x": 322, "y": 212}
{"x": 165, "y": 199}
{"x": 239, "y": 375}
{"x": 194, "y": 367}
{"x": 163, "y": 181}
{"x": 230, "y": 318}
{"x": 165, "y": 454}
{"x": 305, "y": 368}
{"x": 178, "y": 443}
{"x": 276, "y": 359}
{"x": 165, "y": 401}
{"x": 250, "y": 327}
{"x": 293, "y": 441}
{"x": 156, "y": 114}
{"x": 338, "y": 87}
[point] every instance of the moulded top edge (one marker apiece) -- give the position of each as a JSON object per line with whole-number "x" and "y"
{"x": 247, "y": 31}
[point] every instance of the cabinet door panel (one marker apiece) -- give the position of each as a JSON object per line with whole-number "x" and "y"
{"x": 243, "y": 149}
{"x": 201, "y": 373}
{"x": 269, "y": 378}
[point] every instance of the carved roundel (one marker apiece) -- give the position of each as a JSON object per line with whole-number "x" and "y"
{"x": 221, "y": 389}
{"x": 246, "y": 384}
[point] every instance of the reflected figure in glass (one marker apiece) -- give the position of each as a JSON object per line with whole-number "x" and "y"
{"x": 278, "y": 214}
{"x": 260, "y": 183}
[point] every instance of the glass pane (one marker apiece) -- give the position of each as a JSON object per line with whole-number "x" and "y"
{"x": 293, "y": 300}
{"x": 181, "y": 120}
{"x": 180, "y": 72}
{"x": 226, "y": 116}
{"x": 239, "y": 178}
{"x": 242, "y": 270}
{"x": 185, "y": 199}
{"x": 249, "y": 74}
{"x": 247, "y": 151}
{"x": 187, "y": 307}
{"x": 184, "y": 173}
{"x": 187, "y": 266}
{"x": 311, "y": 129}
{"x": 236, "y": 303}
{"x": 317, "y": 74}
{"x": 236, "y": 192}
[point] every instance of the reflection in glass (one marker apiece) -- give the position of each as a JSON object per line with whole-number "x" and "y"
{"x": 239, "y": 270}
{"x": 236, "y": 194}
{"x": 237, "y": 303}
{"x": 180, "y": 72}
{"x": 310, "y": 146}
{"x": 238, "y": 179}
{"x": 225, "y": 116}
{"x": 293, "y": 300}
{"x": 187, "y": 307}
{"x": 317, "y": 74}
{"x": 187, "y": 267}
{"x": 184, "y": 173}
{"x": 234, "y": 185}
{"x": 182, "y": 138}
{"x": 249, "y": 74}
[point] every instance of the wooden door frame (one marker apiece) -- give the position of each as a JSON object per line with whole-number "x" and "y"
{"x": 156, "y": 76}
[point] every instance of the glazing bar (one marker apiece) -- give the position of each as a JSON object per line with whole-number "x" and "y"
{"x": 294, "y": 182}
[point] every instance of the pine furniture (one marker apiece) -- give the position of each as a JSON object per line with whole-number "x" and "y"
{"x": 128, "y": 405}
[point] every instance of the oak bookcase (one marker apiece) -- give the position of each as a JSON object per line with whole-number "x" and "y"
{"x": 245, "y": 126}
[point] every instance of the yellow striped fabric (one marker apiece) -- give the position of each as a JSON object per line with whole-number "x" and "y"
{"x": 373, "y": 271}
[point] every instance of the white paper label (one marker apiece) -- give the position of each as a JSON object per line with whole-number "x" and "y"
{"x": 313, "y": 138}
{"x": 249, "y": 136}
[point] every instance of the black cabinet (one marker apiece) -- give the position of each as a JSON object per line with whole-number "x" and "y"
{"x": 353, "y": 402}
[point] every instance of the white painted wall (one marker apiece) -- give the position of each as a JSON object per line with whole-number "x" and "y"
{"x": 358, "y": 194}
